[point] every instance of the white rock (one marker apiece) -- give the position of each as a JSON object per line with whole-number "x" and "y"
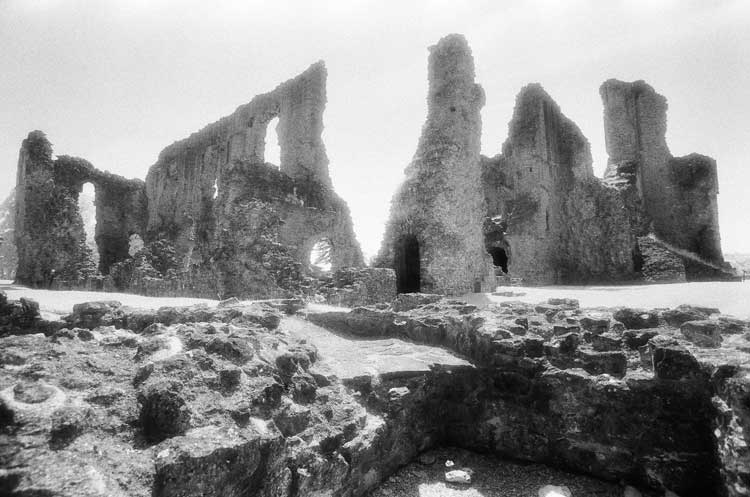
{"x": 458, "y": 476}
{"x": 631, "y": 492}
{"x": 449, "y": 463}
{"x": 554, "y": 491}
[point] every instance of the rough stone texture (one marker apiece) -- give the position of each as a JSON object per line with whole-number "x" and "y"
{"x": 435, "y": 223}
{"x": 659, "y": 264}
{"x": 349, "y": 287}
{"x": 49, "y": 234}
{"x": 543, "y": 397}
{"x": 20, "y": 316}
{"x": 562, "y": 225}
{"x": 254, "y": 235}
{"x": 678, "y": 193}
{"x": 222, "y": 401}
{"x": 8, "y": 258}
{"x": 237, "y": 400}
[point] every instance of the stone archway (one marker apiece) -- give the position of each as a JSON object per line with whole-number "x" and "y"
{"x": 500, "y": 258}
{"x": 408, "y": 265}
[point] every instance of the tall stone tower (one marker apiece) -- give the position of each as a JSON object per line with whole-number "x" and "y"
{"x": 678, "y": 193}
{"x": 434, "y": 235}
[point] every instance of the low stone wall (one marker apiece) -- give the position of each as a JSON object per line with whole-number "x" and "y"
{"x": 659, "y": 264}
{"x": 350, "y": 287}
{"x": 651, "y": 397}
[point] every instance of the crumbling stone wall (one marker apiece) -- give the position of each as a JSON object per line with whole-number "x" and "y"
{"x": 563, "y": 225}
{"x": 245, "y": 225}
{"x": 678, "y": 193}
{"x": 436, "y": 215}
{"x": 49, "y": 234}
{"x": 8, "y": 258}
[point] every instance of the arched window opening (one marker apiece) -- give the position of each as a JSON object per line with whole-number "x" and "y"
{"x": 135, "y": 243}
{"x": 320, "y": 257}
{"x": 499, "y": 258}
{"x": 87, "y": 209}
{"x": 272, "y": 149}
{"x": 408, "y": 265}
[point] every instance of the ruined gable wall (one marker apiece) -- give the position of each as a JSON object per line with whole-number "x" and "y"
{"x": 121, "y": 211}
{"x": 290, "y": 206}
{"x": 678, "y": 194}
{"x": 441, "y": 202}
{"x": 564, "y": 224}
{"x": 49, "y": 232}
{"x": 8, "y": 257}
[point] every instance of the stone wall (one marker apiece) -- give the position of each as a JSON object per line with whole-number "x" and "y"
{"x": 49, "y": 232}
{"x": 678, "y": 193}
{"x": 562, "y": 224}
{"x": 8, "y": 258}
{"x": 657, "y": 398}
{"x": 433, "y": 237}
{"x": 246, "y": 225}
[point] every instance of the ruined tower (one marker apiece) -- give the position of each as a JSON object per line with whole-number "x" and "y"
{"x": 434, "y": 235}
{"x": 49, "y": 232}
{"x": 678, "y": 193}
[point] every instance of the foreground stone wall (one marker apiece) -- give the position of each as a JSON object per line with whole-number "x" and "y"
{"x": 650, "y": 397}
{"x": 217, "y": 219}
{"x": 433, "y": 237}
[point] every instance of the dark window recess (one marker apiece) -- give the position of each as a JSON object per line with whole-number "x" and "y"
{"x": 499, "y": 258}
{"x": 407, "y": 265}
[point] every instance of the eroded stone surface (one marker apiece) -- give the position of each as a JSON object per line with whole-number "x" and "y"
{"x": 433, "y": 237}
{"x": 546, "y": 390}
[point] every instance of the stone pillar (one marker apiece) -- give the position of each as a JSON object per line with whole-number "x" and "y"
{"x": 438, "y": 211}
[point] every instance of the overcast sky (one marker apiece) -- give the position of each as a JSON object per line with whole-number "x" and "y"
{"x": 117, "y": 81}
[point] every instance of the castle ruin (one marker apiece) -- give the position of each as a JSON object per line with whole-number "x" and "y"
{"x": 237, "y": 225}
{"x": 546, "y": 218}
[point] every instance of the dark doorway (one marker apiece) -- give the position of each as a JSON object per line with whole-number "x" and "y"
{"x": 407, "y": 265}
{"x": 499, "y": 258}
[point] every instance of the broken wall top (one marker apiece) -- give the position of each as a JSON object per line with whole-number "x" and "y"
{"x": 540, "y": 130}
{"x": 298, "y": 103}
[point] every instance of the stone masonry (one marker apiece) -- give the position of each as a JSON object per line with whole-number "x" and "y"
{"x": 434, "y": 235}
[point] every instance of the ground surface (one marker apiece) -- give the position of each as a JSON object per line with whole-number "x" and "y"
{"x": 347, "y": 357}
{"x": 492, "y": 477}
{"x": 730, "y": 297}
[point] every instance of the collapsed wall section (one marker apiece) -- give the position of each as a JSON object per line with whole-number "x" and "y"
{"x": 560, "y": 223}
{"x": 678, "y": 193}
{"x": 49, "y": 234}
{"x": 239, "y": 225}
{"x": 433, "y": 237}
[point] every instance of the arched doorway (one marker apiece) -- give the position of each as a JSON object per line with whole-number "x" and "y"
{"x": 499, "y": 258}
{"x": 87, "y": 210}
{"x": 320, "y": 259}
{"x": 407, "y": 264}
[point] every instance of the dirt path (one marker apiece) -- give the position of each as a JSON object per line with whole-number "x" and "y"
{"x": 349, "y": 356}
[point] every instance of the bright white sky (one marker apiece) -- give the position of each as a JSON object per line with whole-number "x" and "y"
{"x": 117, "y": 81}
